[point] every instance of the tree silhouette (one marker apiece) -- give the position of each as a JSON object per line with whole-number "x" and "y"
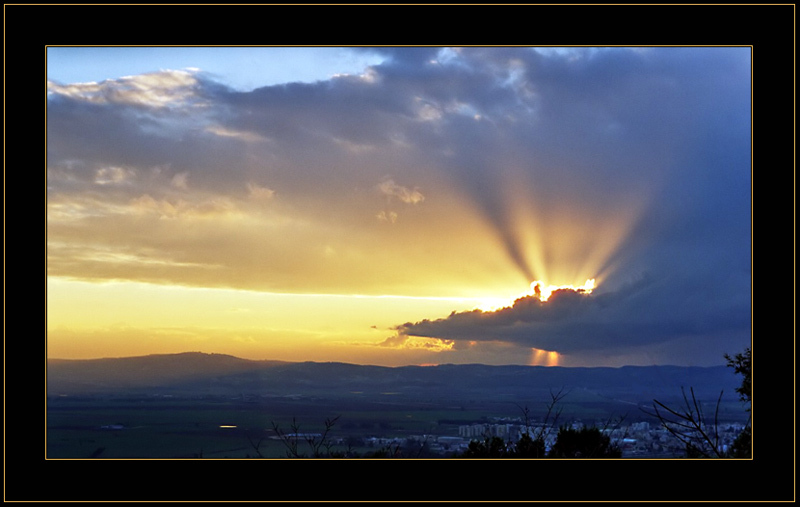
{"x": 583, "y": 443}
{"x": 531, "y": 443}
{"x": 491, "y": 447}
{"x": 690, "y": 426}
{"x": 528, "y": 447}
{"x": 741, "y": 364}
{"x": 496, "y": 447}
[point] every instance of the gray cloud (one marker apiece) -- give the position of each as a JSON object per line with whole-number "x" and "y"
{"x": 638, "y": 316}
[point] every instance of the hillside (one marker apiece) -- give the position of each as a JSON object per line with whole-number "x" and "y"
{"x": 157, "y": 370}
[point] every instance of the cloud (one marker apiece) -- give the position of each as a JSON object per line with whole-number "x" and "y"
{"x": 394, "y": 191}
{"x": 259, "y": 192}
{"x": 643, "y": 314}
{"x": 156, "y": 90}
{"x": 181, "y": 180}
{"x": 391, "y": 189}
{"x": 384, "y": 216}
{"x": 208, "y": 208}
{"x": 401, "y": 341}
{"x": 113, "y": 175}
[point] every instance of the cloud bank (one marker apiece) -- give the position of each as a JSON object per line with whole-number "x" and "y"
{"x": 648, "y": 312}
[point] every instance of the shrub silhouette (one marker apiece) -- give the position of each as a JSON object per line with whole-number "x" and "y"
{"x": 583, "y": 443}
{"x": 496, "y": 447}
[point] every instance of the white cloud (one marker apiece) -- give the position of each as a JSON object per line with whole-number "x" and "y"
{"x": 384, "y": 216}
{"x": 236, "y": 134}
{"x": 113, "y": 175}
{"x": 205, "y": 207}
{"x": 155, "y": 89}
{"x": 256, "y": 191}
{"x": 406, "y": 195}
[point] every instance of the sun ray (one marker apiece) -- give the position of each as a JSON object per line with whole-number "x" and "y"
{"x": 541, "y": 357}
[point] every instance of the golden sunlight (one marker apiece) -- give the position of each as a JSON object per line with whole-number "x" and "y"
{"x": 541, "y": 357}
{"x": 538, "y": 289}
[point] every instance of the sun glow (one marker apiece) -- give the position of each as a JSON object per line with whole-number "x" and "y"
{"x": 492, "y": 304}
{"x": 539, "y": 290}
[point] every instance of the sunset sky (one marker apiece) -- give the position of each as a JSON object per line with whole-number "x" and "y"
{"x": 394, "y": 205}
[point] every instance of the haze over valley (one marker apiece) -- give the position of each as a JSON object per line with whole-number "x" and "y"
{"x": 194, "y": 405}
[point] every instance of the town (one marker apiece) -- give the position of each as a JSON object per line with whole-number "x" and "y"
{"x": 641, "y": 439}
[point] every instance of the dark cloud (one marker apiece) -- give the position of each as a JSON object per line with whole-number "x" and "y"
{"x": 589, "y": 124}
{"x": 638, "y": 316}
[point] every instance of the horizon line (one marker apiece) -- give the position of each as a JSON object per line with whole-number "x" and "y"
{"x": 424, "y": 365}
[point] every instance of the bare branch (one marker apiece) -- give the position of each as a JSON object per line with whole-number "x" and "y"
{"x": 255, "y": 446}
{"x": 689, "y": 425}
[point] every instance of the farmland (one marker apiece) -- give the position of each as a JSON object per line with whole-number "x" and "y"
{"x": 168, "y": 427}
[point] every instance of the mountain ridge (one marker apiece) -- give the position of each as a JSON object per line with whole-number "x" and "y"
{"x": 198, "y": 373}
{"x": 229, "y": 356}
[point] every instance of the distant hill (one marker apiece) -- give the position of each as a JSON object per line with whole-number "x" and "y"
{"x": 157, "y": 370}
{"x": 195, "y": 373}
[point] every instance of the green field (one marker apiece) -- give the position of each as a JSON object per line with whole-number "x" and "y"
{"x": 175, "y": 427}
{"x": 165, "y": 428}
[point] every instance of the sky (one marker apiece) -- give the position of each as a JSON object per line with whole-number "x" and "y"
{"x": 400, "y": 205}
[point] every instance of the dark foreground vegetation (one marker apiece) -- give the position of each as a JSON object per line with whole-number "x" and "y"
{"x": 690, "y": 425}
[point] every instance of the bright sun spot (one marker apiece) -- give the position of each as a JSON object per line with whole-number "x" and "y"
{"x": 493, "y": 304}
{"x": 543, "y": 293}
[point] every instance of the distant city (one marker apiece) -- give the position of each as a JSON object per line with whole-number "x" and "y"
{"x": 637, "y": 440}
